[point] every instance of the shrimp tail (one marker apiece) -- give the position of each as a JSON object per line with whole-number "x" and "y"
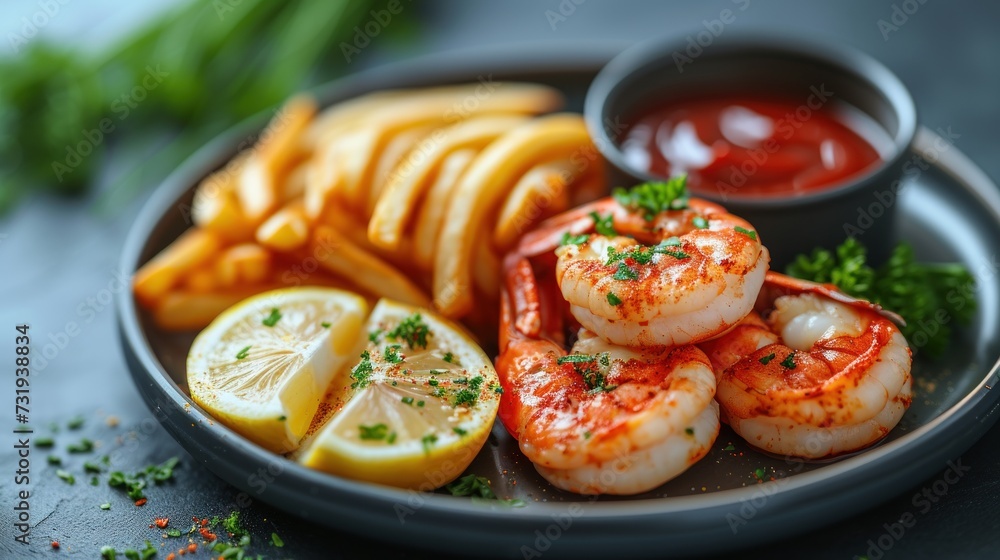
{"x": 777, "y": 285}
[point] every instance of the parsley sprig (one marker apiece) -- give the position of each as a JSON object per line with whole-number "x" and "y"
{"x": 412, "y": 330}
{"x": 654, "y": 197}
{"x": 479, "y": 487}
{"x": 919, "y": 292}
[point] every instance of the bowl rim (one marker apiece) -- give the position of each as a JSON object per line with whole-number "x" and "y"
{"x": 851, "y": 61}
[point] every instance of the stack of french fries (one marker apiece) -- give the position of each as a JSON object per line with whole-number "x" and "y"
{"x": 412, "y": 195}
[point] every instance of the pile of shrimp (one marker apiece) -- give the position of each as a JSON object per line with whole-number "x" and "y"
{"x": 632, "y": 326}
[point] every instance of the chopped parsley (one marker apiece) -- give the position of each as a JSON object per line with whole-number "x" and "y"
{"x": 478, "y": 487}
{"x": 568, "y": 239}
{"x": 391, "y": 439}
{"x": 420, "y": 404}
{"x": 459, "y": 431}
{"x": 413, "y": 330}
{"x": 689, "y": 431}
{"x": 276, "y": 540}
{"x": 613, "y": 299}
{"x": 428, "y": 441}
{"x": 133, "y": 484}
{"x": 273, "y": 318}
{"x": 679, "y": 255}
{"x": 85, "y": 446}
{"x": 747, "y": 232}
{"x": 654, "y": 197}
{"x": 91, "y": 467}
{"x": 282, "y": 418}
{"x": 433, "y": 382}
{"x": 391, "y": 354}
{"x": 640, "y": 254}
{"x": 575, "y": 359}
{"x": 449, "y": 357}
{"x": 107, "y": 506}
{"x": 759, "y": 474}
{"x": 243, "y": 353}
{"x": 699, "y": 222}
{"x": 766, "y": 359}
{"x": 729, "y": 447}
{"x": 469, "y": 396}
{"x": 374, "y": 336}
{"x": 376, "y": 432}
{"x": 407, "y": 400}
{"x": 625, "y": 272}
{"x": 605, "y": 225}
{"x": 496, "y": 388}
{"x": 76, "y": 423}
{"x": 325, "y": 324}
{"x": 174, "y": 533}
{"x": 44, "y": 442}
{"x": 362, "y": 372}
{"x": 66, "y": 477}
{"x": 789, "y": 361}
{"x": 54, "y": 460}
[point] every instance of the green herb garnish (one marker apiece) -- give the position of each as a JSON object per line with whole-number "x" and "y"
{"x": 412, "y": 330}
{"x": 449, "y": 357}
{"x": 575, "y": 359}
{"x": 391, "y": 354}
{"x": 85, "y": 446}
{"x": 613, "y": 299}
{"x": 654, "y": 197}
{"x": 54, "y": 460}
{"x": 76, "y": 423}
{"x": 107, "y": 506}
{"x": 325, "y": 324}
{"x": 65, "y": 476}
{"x": 699, "y": 222}
{"x": 789, "y": 361}
{"x": 407, "y": 400}
{"x": 374, "y": 336}
{"x": 272, "y": 319}
{"x": 920, "y": 293}
{"x": 362, "y": 372}
{"x": 44, "y": 442}
{"x": 604, "y": 226}
{"x": 243, "y": 353}
{"x": 276, "y": 540}
{"x": 747, "y": 232}
{"x": 766, "y": 359}
{"x": 428, "y": 441}
{"x": 568, "y": 239}
{"x": 376, "y": 432}
{"x": 459, "y": 431}
{"x": 625, "y": 272}
{"x": 478, "y": 487}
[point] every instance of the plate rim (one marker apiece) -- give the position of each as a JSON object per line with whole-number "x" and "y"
{"x": 155, "y": 383}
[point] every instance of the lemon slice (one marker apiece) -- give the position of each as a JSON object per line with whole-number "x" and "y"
{"x": 414, "y": 409}
{"x": 263, "y": 366}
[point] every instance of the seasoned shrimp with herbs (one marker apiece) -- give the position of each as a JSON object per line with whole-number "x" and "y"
{"x": 652, "y": 267}
{"x": 601, "y": 418}
{"x": 822, "y": 374}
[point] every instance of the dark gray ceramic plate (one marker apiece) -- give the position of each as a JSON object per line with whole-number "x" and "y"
{"x": 950, "y": 212}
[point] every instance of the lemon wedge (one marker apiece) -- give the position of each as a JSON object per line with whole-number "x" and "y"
{"x": 413, "y": 409}
{"x": 263, "y": 366}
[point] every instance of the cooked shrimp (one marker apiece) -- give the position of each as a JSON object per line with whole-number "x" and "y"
{"x": 679, "y": 277}
{"x": 823, "y": 375}
{"x": 603, "y": 419}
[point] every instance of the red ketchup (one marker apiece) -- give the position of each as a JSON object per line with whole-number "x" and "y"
{"x": 756, "y": 146}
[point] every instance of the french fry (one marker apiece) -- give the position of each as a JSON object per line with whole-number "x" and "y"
{"x": 246, "y": 263}
{"x": 486, "y": 264}
{"x": 408, "y": 184}
{"x": 409, "y": 144}
{"x": 201, "y": 280}
{"x": 256, "y": 191}
{"x": 542, "y": 191}
{"x": 338, "y": 164}
{"x": 184, "y": 310}
{"x": 277, "y": 149}
{"x": 336, "y": 253}
{"x": 161, "y": 273}
{"x": 489, "y": 178}
{"x": 294, "y": 185}
{"x": 437, "y": 106}
{"x": 334, "y": 119}
{"x": 215, "y": 206}
{"x": 435, "y": 205}
{"x": 286, "y": 229}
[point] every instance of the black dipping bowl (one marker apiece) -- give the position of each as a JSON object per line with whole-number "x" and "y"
{"x": 863, "y": 207}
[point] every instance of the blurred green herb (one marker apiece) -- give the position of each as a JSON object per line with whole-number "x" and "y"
{"x": 187, "y": 75}
{"x": 928, "y": 296}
